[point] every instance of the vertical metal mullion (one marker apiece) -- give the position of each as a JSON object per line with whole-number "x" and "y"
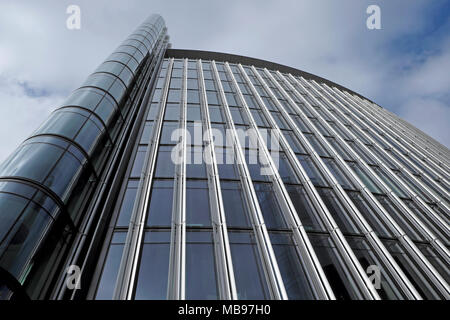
{"x": 133, "y": 243}
{"x": 227, "y": 287}
{"x": 421, "y": 203}
{"x": 435, "y": 277}
{"x": 352, "y": 263}
{"x": 414, "y": 146}
{"x": 177, "y": 261}
{"x": 437, "y": 219}
{"x": 306, "y": 251}
{"x": 400, "y": 277}
{"x": 421, "y": 138}
{"x": 423, "y": 156}
{"x": 412, "y": 151}
{"x": 391, "y": 118}
{"x": 424, "y": 140}
{"x": 264, "y": 245}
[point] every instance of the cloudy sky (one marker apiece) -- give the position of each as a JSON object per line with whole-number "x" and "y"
{"x": 404, "y": 67}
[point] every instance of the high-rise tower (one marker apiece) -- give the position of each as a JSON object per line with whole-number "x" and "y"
{"x": 186, "y": 174}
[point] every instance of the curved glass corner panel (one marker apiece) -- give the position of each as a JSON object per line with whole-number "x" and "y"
{"x": 45, "y": 163}
{"x": 74, "y": 124}
{"x": 84, "y": 97}
{"x": 22, "y": 238}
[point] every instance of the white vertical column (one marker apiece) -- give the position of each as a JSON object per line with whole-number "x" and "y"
{"x": 352, "y": 263}
{"x": 437, "y": 199}
{"x": 177, "y": 261}
{"x": 311, "y": 263}
{"x": 270, "y": 266}
{"x": 227, "y": 285}
{"x": 429, "y": 269}
{"x": 422, "y": 155}
{"x": 133, "y": 245}
{"x": 414, "y": 135}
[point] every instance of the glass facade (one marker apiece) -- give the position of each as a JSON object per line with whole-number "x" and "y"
{"x": 172, "y": 174}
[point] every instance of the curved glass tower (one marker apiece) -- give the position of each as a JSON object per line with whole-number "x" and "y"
{"x": 183, "y": 174}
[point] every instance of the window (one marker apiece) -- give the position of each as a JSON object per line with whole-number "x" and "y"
{"x": 12, "y": 206}
{"x": 166, "y": 133}
{"x": 154, "y": 266}
{"x": 343, "y": 287}
{"x": 258, "y": 170}
{"x": 201, "y": 282}
{"x": 160, "y": 209}
{"x": 336, "y": 171}
{"x": 212, "y": 97}
{"x": 177, "y": 73}
{"x": 259, "y": 118}
{"x": 193, "y": 113}
{"x": 227, "y": 88}
{"x": 369, "y": 213}
{"x": 145, "y": 137}
{"x": 388, "y": 288}
{"x": 165, "y": 167}
{"x": 153, "y": 112}
{"x": 64, "y": 123}
{"x": 365, "y": 179}
{"x": 301, "y": 124}
{"x": 192, "y": 73}
{"x": 227, "y": 169}
{"x": 192, "y": 84}
{"x": 247, "y": 266}
{"x": 88, "y": 135}
{"x": 420, "y": 282}
{"x": 284, "y": 168}
{"x": 174, "y": 96}
{"x": 19, "y": 245}
{"x": 236, "y": 115}
{"x": 209, "y": 85}
{"x": 339, "y": 213}
{"x": 138, "y": 162}
{"x": 197, "y": 203}
{"x": 231, "y": 100}
{"x": 307, "y": 214}
{"x": 316, "y": 145}
{"x": 107, "y": 282}
{"x": 430, "y": 253}
{"x": 395, "y": 213}
{"x": 43, "y": 162}
{"x": 269, "y": 104}
{"x": 390, "y": 183}
{"x": 273, "y": 217}
{"x": 251, "y": 102}
{"x": 312, "y": 171}
{"x": 215, "y": 114}
{"x": 195, "y": 165}
{"x": 320, "y": 127}
{"x": 207, "y": 74}
{"x": 172, "y": 112}
{"x": 294, "y": 276}
{"x": 279, "y": 120}
{"x": 192, "y": 96}
{"x": 62, "y": 174}
{"x": 293, "y": 142}
{"x": 234, "y": 205}
{"x": 127, "y": 205}
{"x": 340, "y": 150}
{"x": 175, "y": 83}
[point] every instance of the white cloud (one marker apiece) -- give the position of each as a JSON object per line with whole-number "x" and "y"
{"x": 328, "y": 38}
{"x": 429, "y": 115}
{"x": 20, "y": 114}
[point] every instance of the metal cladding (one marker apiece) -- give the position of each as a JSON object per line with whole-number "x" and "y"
{"x": 233, "y": 178}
